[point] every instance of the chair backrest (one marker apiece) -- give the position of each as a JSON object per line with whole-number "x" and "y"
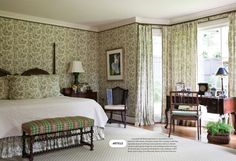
{"x": 184, "y": 98}
{"x": 119, "y": 96}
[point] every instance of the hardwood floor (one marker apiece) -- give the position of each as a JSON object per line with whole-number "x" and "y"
{"x": 188, "y": 132}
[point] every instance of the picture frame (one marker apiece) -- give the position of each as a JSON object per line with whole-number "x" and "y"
{"x": 180, "y": 86}
{"x": 115, "y": 64}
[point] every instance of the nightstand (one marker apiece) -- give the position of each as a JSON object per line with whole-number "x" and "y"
{"x": 88, "y": 94}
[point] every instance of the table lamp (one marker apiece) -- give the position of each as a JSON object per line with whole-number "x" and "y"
{"x": 76, "y": 68}
{"x": 222, "y": 72}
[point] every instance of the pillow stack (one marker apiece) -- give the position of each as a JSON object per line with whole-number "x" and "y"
{"x": 29, "y": 87}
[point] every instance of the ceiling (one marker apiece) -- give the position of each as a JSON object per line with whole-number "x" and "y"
{"x": 97, "y": 13}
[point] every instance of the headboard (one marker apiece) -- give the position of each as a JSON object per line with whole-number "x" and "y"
{"x": 34, "y": 71}
{"x": 4, "y": 72}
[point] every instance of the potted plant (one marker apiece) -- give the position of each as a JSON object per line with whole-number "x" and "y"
{"x": 218, "y": 132}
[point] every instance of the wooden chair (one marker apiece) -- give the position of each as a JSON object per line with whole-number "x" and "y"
{"x": 184, "y": 105}
{"x": 119, "y": 104}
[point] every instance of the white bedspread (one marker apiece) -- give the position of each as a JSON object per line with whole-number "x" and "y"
{"x": 15, "y": 112}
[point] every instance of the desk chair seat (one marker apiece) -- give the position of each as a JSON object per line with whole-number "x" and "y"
{"x": 186, "y": 113}
{"x": 114, "y": 107}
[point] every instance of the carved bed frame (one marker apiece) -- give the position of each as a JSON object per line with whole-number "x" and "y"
{"x": 34, "y": 71}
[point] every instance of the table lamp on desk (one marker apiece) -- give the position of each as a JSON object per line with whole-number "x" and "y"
{"x": 222, "y": 72}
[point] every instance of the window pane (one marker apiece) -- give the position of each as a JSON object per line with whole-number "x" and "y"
{"x": 212, "y": 54}
{"x": 157, "y": 74}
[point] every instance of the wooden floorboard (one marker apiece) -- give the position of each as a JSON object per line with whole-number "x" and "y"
{"x": 188, "y": 132}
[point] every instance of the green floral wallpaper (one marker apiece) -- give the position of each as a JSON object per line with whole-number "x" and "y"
{"x": 25, "y": 45}
{"x": 122, "y": 37}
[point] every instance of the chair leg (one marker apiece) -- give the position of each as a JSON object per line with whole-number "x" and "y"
{"x": 198, "y": 129}
{"x": 200, "y": 120}
{"x": 173, "y": 125}
{"x": 122, "y": 116}
{"x": 111, "y": 117}
{"x": 171, "y": 120}
{"x": 124, "y": 119}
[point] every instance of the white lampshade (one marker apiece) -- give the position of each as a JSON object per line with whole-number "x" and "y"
{"x": 76, "y": 67}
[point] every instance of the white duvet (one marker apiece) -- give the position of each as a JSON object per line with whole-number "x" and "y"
{"x": 15, "y": 112}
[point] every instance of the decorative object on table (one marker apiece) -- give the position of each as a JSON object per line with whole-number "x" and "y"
{"x": 218, "y": 132}
{"x": 74, "y": 88}
{"x": 76, "y": 68}
{"x": 115, "y": 64}
{"x": 213, "y": 91}
{"x": 180, "y": 86}
{"x": 222, "y": 72}
{"x": 89, "y": 89}
{"x": 83, "y": 87}
{"x": 202, "y": 88}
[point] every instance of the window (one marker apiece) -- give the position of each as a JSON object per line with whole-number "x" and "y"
{"x": 157, "y": 73}
{"x": 212, "y": 54}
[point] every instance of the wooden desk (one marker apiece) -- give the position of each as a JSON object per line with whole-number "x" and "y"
{"x": 214, "y": 105}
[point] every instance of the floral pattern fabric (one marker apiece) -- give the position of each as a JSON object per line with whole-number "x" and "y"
{"x": 49, "y": 85}
{"x": 24, "y": 87}
{"x": 184, "y": 54}
{"x": 4, "y": 87}
{"x": 166, "y": 67}
{"x": 232, "y": 54}
{"x": 145, "y": 103}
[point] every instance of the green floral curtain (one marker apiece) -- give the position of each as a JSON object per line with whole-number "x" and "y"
{"x": 166, "y": 67}
{"x": 183, "y": 58}
{"x": 232, "y": 54}
{"x": 145, "y": 105}
{"x": 184, "y": 54}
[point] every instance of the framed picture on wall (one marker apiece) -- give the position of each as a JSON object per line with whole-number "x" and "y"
{"x": 115, "y": 64}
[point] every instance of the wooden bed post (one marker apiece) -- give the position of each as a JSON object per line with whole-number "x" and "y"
{"x": 54, "y": 59}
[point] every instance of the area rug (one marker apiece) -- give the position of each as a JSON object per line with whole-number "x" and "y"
{"x": 173, "y": 149}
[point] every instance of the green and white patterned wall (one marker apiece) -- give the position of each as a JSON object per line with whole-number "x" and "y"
{"x": 25, "y": 45}
{"x": 122, "y": 37}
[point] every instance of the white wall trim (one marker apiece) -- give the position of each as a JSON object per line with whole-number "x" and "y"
{"x": 122, "y": 22}
{"x": 152, "y": 21}
{"x": 46, "y": 21}
{"x": 117, "y": 24}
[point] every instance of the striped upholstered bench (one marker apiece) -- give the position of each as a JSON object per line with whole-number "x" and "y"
{"x": 54, "y": 128}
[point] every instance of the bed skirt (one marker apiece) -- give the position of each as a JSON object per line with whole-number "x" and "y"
{"x": 12, "y": 146}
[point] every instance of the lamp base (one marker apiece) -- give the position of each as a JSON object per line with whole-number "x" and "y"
{"x": 76, "y": 81}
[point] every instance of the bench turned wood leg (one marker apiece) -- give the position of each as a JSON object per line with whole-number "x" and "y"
{"x": 81, "y": 135}
{"x": 31, "y": 156}
{"x": 91, "y": 146}
{"x": 23, "y": 145}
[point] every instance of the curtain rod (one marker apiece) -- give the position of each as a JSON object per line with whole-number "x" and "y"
{"x": 206, "y": 17}
{"x": 197, "y": 19}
